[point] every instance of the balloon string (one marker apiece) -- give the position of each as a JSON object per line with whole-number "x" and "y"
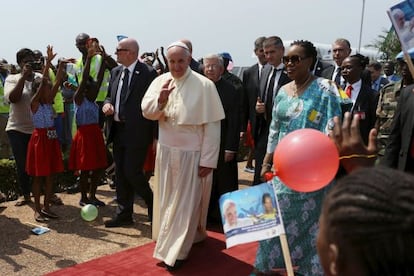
{"x": 358, "y": 156}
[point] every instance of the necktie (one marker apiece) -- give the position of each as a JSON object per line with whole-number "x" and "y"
{"x": 348, "y": 91}
{"x": 124, "y": 91}
{"x": 269, "y": 90}
{"x": 412, "y": 148}
{"x": 338, "y": 76}
{"x": 269, "y": 95}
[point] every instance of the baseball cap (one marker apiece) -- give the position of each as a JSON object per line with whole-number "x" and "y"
{"x": 226, "y": 56}
{"x": 400, "y": 55}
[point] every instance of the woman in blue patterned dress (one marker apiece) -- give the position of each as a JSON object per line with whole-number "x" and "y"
{"x": 306, "y": 102}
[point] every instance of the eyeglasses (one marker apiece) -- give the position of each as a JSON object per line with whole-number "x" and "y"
{"x": 295, "y": 59}
{"x": 120, "y": 50}
{"x": 211, "y": 66}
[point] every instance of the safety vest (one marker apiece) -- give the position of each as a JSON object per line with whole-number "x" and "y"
{"x": 58, "y": 100}
{"x": 4, "y": 105}
{"x": 93, "y": 72}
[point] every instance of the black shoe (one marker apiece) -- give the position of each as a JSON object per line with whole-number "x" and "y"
{"x": 97, "y": 202}
{"x": 177, "y": 265}
{"x": 118, "y": 222}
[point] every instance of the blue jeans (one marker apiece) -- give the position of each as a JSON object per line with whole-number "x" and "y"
{"x": 19, "y": 142}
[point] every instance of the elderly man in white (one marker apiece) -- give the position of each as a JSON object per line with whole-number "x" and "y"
{"x": 188, "y": 109}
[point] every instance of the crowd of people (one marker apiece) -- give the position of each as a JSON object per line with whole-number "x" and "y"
{"x": 181, "y": 120}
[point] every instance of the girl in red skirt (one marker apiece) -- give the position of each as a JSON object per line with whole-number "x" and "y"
{"x": 88, "y": 153}
{"x": 44, "y": 157}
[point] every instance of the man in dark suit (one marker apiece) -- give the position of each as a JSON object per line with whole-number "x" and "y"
{"x": 321, "y": 66}
{"x": 128, "y": 130}
{"x": 363, "y": 97}
{"x": 378, "y": 81}
{"x": 272, "y": 78}
{"x": 341, "y": 49}
{"x": 399, "y": 152}
{"x": 225, "y": 177}
{"x": 251, "y": 77}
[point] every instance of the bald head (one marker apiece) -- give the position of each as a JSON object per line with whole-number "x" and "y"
{"x": 131, "y": 44}
{"x": 127, "y": 51}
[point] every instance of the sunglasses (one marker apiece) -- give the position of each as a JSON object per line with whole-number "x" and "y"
{"x": 295, "y": 59}
{"x": 120, "y": 50}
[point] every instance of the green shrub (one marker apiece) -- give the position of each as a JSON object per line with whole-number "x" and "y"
{"x": 8, "y": 183}
{"x": 8, "y": 180}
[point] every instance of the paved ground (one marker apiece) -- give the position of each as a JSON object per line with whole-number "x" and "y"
{"x": 71, "y": 239}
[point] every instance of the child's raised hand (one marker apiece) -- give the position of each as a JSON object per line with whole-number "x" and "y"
{"x": 50, "y": 54}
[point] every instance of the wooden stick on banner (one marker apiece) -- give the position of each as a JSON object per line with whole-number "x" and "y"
{"x": 286, "y": 254}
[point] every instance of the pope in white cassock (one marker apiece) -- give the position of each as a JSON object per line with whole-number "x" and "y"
{"x": 188, "y": 109}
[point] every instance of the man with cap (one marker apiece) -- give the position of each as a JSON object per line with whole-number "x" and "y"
{"x": 387, "y": 103}
{"x": 189, "y": 112}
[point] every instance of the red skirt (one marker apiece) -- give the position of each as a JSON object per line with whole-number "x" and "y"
{"x": 44, "y": 156}
{"x": 249, "y": 142}
{"x": 87, "y": 152}
{"x": 149, "y": 164}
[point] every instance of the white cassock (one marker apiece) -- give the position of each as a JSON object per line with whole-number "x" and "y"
{"x": 189, "y": 137}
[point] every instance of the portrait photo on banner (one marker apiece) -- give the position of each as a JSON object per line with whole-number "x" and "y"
{"x": 250, "y": 214}
{"x": 402, "y": 18}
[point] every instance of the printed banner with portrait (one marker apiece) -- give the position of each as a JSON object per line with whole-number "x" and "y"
{"x": 402, "y": 18}
{"x": 251, "y": 214}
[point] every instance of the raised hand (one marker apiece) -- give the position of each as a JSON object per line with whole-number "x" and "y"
{"x": 352, "y": 150}
{"x": 165, "y": 93}
{"x": 50, "y": 54}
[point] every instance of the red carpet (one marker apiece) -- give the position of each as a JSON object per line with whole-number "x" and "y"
{"x": 207, "y": 258}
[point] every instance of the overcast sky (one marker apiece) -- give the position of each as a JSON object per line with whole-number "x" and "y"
{"x": 213, "y": 26}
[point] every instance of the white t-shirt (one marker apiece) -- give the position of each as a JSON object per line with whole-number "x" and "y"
{"x": 20, "y": 116}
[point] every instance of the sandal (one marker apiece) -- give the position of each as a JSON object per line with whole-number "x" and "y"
{"x": 55, "y": 200}
{"x": 40, "y": 218}
{"x": 49, "y": 214}
{"x": 25, "y": 201}
{"x": 2, "y": 197}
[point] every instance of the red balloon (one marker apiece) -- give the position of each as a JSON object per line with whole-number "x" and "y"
{"x": 306, "y": 160}
{"x": 269, "y": 176}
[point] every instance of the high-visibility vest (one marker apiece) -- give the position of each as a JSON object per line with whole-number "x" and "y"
{"x": 4, "y": 105}
{"x": 58, "y": 100}
{"x": 96, "y": 62}
{"x": 103, "y": 90}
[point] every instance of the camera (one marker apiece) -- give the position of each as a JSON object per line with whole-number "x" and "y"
{"x": 36, "y": 65}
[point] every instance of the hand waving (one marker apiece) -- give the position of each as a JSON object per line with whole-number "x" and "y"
{"x": 352, "y": 150}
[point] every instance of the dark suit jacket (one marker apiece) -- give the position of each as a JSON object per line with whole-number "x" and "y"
{"x": 323, "y": 69}
{"x": 230, "y": 127}
{"x": 140, "y": 129}
{"x": 365, "y": 105}
{"x": 284, "y": 79}
{"x": 327, "y": 72}
{"x": 382, "y": 83}
{"x": 397, "y": 152}
{"x": 251, "y": 92}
